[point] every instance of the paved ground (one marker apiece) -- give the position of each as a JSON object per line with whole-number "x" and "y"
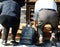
{"x": 46, "y": 44}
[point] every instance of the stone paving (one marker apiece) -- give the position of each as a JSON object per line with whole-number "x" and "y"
{"x": 46, "y": 44}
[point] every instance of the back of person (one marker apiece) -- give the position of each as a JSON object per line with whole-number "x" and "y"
{"x": 46, "y": 12}
{"x": 10, "y": 17}
{"x": 10, "y": 8}
{"x": 44, "y": 4}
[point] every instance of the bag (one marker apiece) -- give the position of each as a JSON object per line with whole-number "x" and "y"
{"x": 27, "y": 35}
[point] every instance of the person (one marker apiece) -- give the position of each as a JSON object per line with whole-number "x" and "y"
{"x": 1, "y": 28}
{"x": 46, "y": 11}
{"x": 10, "y": 17}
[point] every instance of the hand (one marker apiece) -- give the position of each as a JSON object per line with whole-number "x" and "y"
{"x": 36, "y": 22}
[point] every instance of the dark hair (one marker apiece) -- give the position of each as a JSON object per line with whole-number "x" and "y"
{"x": 20, "y": 2}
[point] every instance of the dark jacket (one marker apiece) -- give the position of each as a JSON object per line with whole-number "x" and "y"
{"x": 10, "y": 8}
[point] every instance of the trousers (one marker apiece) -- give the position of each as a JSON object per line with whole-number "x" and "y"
{"x": 12, "y": 22}
{"x": 49, "y": 16}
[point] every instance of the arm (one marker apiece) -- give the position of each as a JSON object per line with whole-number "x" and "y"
{"x": 35, "y": 18}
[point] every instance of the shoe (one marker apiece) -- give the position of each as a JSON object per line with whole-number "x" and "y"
{"x": 4, "y": 42}
{"x": 14, "y": 43}
{"x": 41, "y": 44}
{"x": 53, "y": 42}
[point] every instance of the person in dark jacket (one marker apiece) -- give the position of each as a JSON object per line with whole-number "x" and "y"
{"x": 10, "y": 17}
